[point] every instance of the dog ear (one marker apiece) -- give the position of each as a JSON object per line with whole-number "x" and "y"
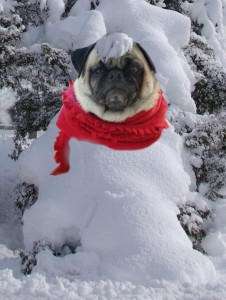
{"x": 147, "y": 57}
{"x": 79, "y": 57}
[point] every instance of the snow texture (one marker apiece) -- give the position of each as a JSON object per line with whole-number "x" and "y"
{"x": 56, "y": 9}
{"x": 118, "y": 220}
{"x": 10, "y": 229}
{"x": 76, "y": 32}
{"x": 120, "y": 207}
{"x": 113, "y": 45}
{"x": 7, "y": 100}
{"x": 215, "y": 241}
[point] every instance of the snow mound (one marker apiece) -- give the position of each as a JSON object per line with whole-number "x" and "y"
{"x": 76, "y": 32}
{"x": 121, "y": 207}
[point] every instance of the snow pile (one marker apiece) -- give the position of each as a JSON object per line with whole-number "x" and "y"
{"x": 76, "y": 32}
{"x": 113, "y": 203}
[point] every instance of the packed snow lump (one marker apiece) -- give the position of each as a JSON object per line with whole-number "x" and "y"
{"x": 119, "y": 207}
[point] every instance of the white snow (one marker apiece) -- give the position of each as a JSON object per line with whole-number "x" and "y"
{"x": 113, "y": 45}
{"x": 119, "y": 218}
{"x": 222, "y": 191}
{"x": 56, "y": 9}
{"x": 76, "y": 32}
{"x": 78, "y": 276}
{"x": 7, "y": 100}
{"x": 121, "y": 207}
{"x": 10, "y": 230}
{"x": 215, "y": 242}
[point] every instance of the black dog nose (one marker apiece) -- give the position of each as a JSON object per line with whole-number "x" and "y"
{"x": 115, "y": 74}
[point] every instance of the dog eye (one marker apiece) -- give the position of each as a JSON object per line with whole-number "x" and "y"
{"x": 98, "y": 71}
{"x": 134, "y": 69}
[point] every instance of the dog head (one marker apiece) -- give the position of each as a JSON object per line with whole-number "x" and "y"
{"x": 118, "y": 88}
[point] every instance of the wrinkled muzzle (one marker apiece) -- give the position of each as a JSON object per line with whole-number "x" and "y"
{"x": 115, "y": 91}
{"x": 116, "y": 100}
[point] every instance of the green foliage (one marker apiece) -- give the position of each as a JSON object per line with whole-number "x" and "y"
{"x": 28, "y": 259}
{"x": 68, "y": 5}
{"x": 94, "y": 4}
{"x": 174, "y": 5}
{"x": 10, "y": 33}
{"x": 24, "y": 196}
{"x": 191, "y": 219}
{"x": 31, "y": 12}
{"x": 37, "y": 77}
{"x": 170, "y": 4}
{"x": 207, "y": 145}
{"x": 210, "y": 91}
{"x": 204, "y": 137}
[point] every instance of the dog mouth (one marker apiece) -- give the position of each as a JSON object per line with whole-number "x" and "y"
{"x": 116, "y": 100}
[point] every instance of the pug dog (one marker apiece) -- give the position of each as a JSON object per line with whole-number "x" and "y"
{"x": 115, "y": 88}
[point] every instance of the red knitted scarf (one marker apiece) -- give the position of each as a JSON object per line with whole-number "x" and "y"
{"x": 134, "y": 133}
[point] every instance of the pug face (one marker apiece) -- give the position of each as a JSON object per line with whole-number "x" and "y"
{"x": 116, "y": 83}
{"x": 118, "y": 88}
